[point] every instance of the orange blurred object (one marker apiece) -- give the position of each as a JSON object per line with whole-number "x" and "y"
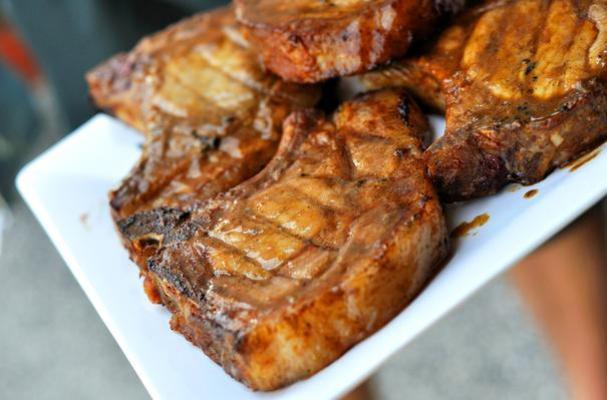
{"x": 16, "y": 54}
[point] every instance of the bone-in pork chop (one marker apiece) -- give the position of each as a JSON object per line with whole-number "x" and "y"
{"x": 212, "y": 117}
{"x": 281, "y": 275}
{"x": 523, "y": 85}
{"x": 313, "y": 40}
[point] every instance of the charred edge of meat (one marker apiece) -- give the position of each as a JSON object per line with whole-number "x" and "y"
{"x": 116, "y": 75}
{"x": 454, "y": 163}
{"x": 152, "y": 229}
{"x": 465, "y": 164}
{"x": 174, "y": 277}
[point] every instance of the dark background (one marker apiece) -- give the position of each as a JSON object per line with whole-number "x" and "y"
{"x": 68, "y": 37}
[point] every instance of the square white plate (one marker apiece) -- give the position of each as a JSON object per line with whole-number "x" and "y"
{"x": 67, "y": 188}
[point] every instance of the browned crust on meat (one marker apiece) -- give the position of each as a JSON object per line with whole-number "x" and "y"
{"x": 435, "y": 61}
{"x": 119, "y": 85}
{"x": 271, "y": 318}
{"x": 523, "y": 86}
{"x": 112, "y": 88}
{"x": 212, "y": 117}
{"x": 426, "y": 87}
{"x": 479, "y": 159}
{"x": 311, "y": 41}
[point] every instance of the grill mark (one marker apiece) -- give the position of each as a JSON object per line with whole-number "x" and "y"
{"x": 304, "y": 249}
{"x": 208, "y": 99}
{"x": 539, "y": 33}
{"x": 486, "y": 44}
{"x": 316, "y": 202}
{"x": 254, "y": 217}
{"x": 328, "y": 181}
{"x": 257, "y": 88}
{"x": 293, "y": 256}
{"x": 342, "y": 252}
{"x": 301, "y": 215}
{"x": 217, "y": 243}
{"x": 543, "y": 68}
{"x": 260, "y": 222}
{"x": 536, "y": 37}
{"x": 371, "y": 138}
{"x": 217, "y": 109}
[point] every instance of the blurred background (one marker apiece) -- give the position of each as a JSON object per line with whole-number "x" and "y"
{"x": 52, "y": 343}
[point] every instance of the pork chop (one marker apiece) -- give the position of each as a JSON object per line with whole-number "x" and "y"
{"x": 523, "y": 86}
{"x": 281, "y": 275}
{"x": 211, "y": 115}
{"x": 314, "y": 40}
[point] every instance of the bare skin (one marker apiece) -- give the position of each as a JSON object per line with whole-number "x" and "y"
{"x": 363, "y": 392}
{"x": 564, "y": 283}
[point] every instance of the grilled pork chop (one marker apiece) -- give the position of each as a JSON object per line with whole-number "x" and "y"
{"x": 281, "y": 275}
{"x": 313, "y": 40}
{"x": 523, "y": 85}
{"x": 212, "y": 117}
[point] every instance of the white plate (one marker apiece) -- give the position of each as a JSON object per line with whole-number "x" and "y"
{"x": 67, "y": 188}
